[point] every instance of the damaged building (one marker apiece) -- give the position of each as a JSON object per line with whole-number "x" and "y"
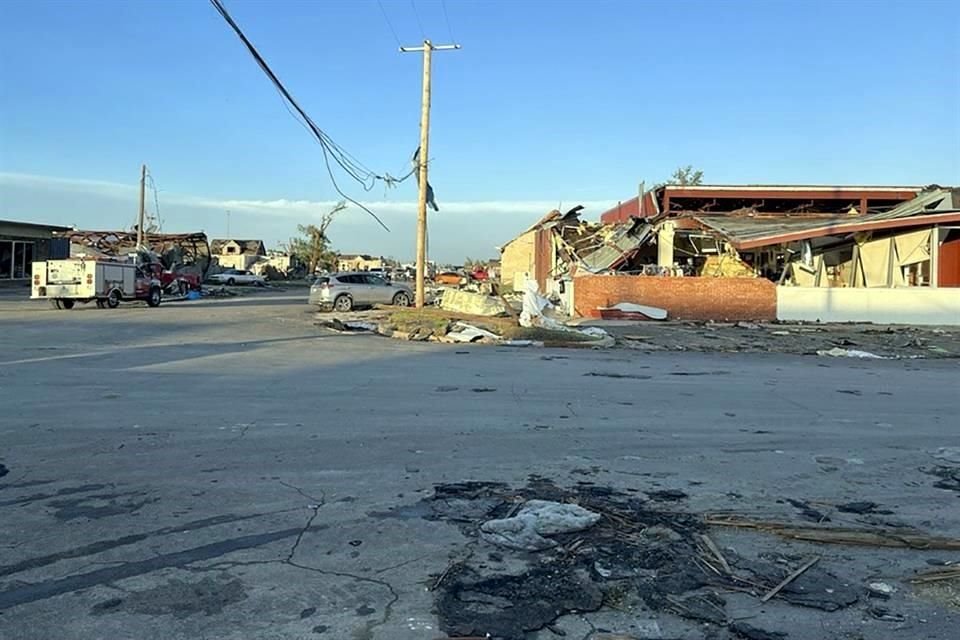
{"x": 186, "y": 252}
{"x": 736, "y": 253}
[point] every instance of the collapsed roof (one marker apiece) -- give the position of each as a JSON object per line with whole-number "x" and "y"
{"x": 936, "y": 205}
{"x": 188, "y": 251}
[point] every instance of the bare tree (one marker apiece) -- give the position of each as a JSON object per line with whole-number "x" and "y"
{"x": 313, "y": 247}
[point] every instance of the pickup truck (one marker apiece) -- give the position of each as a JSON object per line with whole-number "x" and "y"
{"x": 67, "y": 282}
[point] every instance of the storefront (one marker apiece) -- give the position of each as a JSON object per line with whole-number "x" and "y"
{"x": 23, "y": 242}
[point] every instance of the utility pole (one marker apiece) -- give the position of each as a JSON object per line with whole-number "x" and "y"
{"x": 143, "y": 185}
{"x": 427, "y": 49}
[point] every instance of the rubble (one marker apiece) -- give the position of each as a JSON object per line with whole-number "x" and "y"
{"x": 619, "y": 549}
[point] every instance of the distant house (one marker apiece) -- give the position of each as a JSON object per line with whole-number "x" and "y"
{"x": 237, "y": 254}
{"x": 359, "y": 262}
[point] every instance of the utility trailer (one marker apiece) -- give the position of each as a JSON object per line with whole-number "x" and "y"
{"x": 67, "y": 282}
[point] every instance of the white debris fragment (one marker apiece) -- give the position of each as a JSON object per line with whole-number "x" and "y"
{"x": 538, "y": 518}
{"x": 947, "y": 454}
{"x": 837, "y": 352}
{"x": 463, "y": 332}
{"x": 881, "y": 588}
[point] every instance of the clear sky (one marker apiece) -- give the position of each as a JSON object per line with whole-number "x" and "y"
{"x": 548, "y": 103}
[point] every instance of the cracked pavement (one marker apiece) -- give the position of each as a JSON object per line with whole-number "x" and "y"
{"x": 225, "y": 470}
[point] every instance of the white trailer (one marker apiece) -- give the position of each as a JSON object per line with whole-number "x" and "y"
{"x": 66, "y": 282}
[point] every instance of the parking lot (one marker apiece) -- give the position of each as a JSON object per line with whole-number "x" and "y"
{"x": 225, "y": 469}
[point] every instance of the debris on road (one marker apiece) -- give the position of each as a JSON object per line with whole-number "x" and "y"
{"x": 535, "y": 520}
{"x": 631, "y": 311}
{"x": 347, "y": 326}
{"x": 463, "y": 332}
{"x": 947, "y": 454}
{"x": 837, "y": 352}
{"x": 540, "y": 551}
{"x": 903, "y": 538}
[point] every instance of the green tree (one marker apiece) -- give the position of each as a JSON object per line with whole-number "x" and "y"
{"x": 686, "y": 176}
{"x": 312, "y": 248}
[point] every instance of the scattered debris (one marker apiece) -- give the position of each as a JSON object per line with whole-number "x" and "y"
{"x": 536, "y": 519}
{"x": 630, "y": 311}
{"x": 350, "y": 326}
{"x": 623, "y": 548}
{"x": 880, "y": 590}
{"x": 837, "y": 352}
{"x": 947, "y": 454}
{"x": 936, "y": 575}
{"x": 808, "y": 512}
{"x": 667, "y": 495}
{"x": 790, "y": 578}
{"x": 463, "y": 332}
{"x": 3, "y": 470}
{"x": 903, "y": 538}
{"x": 607, "y": 374}
{"x": 882, "y": 613}
{"x": 863, "y": 507}
{"x": 949, "y": 477}
{"x": 749, "y": 632}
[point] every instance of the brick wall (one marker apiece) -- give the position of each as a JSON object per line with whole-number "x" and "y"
{"x": 683, "y": 298}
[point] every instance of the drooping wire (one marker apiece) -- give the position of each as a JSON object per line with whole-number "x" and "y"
{"x": 443, "y": 3}
{"x": 350, "y": 165}
{"x": 417, "y": 15}
{"x": 389, "y": 24}
{"x": 156, "y": 200}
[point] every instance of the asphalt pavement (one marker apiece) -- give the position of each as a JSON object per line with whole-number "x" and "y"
{"x": 224, "y": 469}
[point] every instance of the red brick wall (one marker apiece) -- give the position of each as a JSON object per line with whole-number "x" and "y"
{"x": 683, "y": 298}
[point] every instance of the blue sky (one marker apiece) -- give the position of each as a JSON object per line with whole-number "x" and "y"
{"x": 547, "y": 103}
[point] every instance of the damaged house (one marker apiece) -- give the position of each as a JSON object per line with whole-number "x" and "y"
{"x": 756, "y": 253}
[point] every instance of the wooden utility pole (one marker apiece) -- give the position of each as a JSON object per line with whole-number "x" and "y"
{"x": 428, "y": 48}
{"x": 143, "y": 186}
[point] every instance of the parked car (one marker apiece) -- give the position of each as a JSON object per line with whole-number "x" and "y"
{"x": 237, "y": 276}
{"x": 450, "y": 278}
{"x": 344, "y": 291}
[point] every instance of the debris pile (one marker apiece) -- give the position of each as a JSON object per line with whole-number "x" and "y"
{"x": 541, "y": 551}
{"x": 185, "y": 252}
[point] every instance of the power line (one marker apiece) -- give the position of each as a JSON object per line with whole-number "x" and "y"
{"x": 443, "y": 3}
{"x": 389, "y": 24}
{"x": 156, "y": 199}
{"x": 417, "y": 15}
{"x": 353, "y": 167}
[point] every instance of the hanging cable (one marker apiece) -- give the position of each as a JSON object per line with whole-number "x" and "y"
{"x": 348, "y": 163}
{"x": 443, "y": 3}
{"x": 156, "y": 200}
{"x": 389, "y": 24}
{"x": 417, "y": 16}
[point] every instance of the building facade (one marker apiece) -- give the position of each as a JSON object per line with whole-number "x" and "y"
{"x": 22, "y": 243}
